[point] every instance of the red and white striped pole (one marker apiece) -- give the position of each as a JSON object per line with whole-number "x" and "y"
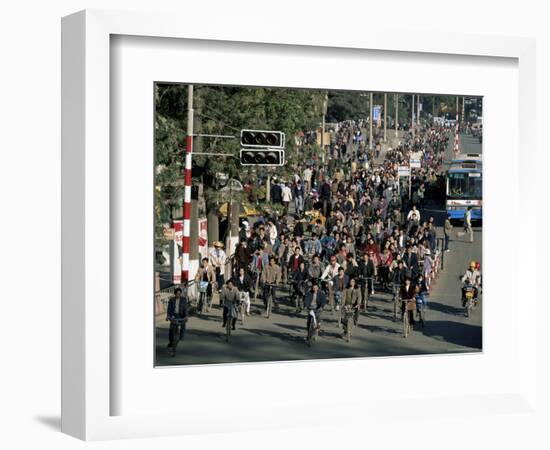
{"x": 456, "y": 149}
{"x": 187, "y": 191}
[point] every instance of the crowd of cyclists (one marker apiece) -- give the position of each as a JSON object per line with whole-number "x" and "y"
{"x": 350, "y": 226}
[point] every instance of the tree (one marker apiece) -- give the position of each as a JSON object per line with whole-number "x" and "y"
{"x": 223, "y": 110}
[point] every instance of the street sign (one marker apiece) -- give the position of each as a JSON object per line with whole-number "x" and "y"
{"x": 403, "y": 171}
{"x": 415, "y": 163}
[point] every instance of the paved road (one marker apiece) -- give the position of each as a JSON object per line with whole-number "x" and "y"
{"x": 281, "y": 337}
{"x": 469, "y": 144}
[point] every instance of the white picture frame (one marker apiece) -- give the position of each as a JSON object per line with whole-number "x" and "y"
{"x": 88, "y": 385}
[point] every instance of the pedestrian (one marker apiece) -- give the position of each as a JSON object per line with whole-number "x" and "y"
{"x": 177, "y": 313}
{"x": 468, "y": 223}
{"x": 447, "y": 230}
{"x": 286, "y": 195}
{"x": 276, "y": 192}
{"x": 299, "y": 198}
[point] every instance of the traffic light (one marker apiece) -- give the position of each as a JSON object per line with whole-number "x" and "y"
{"x": 262, "y": 138}
{"x": 262, "y": 157}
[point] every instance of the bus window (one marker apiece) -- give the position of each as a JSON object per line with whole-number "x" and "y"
{"x": 465, "y": 185}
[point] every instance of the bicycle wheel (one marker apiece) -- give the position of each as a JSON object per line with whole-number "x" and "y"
{"x": 348, "y": 331}
{"x": 268, "y": 309}
{"x": 405, "y": 323}
{"x": 228, "y": 328}
{"x": 242, "y": 311}
{"x": 339, "y": 317}
{"x": 310, "y": 333}
{"x": 176, "y": 338}
{"x": 468, "y": 308}
{"x": 395, "y": 304}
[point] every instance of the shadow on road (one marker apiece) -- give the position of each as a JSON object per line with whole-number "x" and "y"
{"x": 445, "y": 309}
{"x": 457, "y": 333}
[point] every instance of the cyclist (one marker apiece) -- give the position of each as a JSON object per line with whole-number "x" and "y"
{"x": 313, "y": 246}
{"x": 330, "y": 272}
{"x": 352, "y": 301}
{"x": 206, "y": 274}
{"x": 299, "y": 281}
{"x": 339, "y": 285}
{"x": 177, "y": 313}
{"x": 315, "y": 300}
{"x": 315, "y": 269}
{"x": 271, "y": 274}
{"x": 407, "y": 292}
{"x": 471, "y": 277}
{"x": 398, "y": 277}
{"x": 368, "y": 272}
{"x": 229, "y": 298}
{"x": 294, "y": 262}
{"x": 244, "y": 285}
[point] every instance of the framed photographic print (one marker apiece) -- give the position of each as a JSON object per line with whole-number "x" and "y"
{"x": 274, "y": 215}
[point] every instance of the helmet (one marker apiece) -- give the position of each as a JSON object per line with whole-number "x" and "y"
{"x": 472, "y": 264}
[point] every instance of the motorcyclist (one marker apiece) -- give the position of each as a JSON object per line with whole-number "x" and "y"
{"x": 472, "y": 277}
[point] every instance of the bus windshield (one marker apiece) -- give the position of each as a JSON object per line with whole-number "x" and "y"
{"x": 465, "y": 185}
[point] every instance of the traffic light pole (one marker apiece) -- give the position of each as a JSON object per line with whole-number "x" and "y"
{"x": 187, "y": 191}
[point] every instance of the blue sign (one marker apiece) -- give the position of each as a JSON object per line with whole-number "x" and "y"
{"x": 376, "y": 111}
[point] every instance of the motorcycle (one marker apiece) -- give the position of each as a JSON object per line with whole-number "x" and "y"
{"x": 470, "y": 299}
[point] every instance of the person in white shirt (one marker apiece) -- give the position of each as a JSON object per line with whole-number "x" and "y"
{"x": 413, "y": 211}
{"x": 468, "y": 223}
{"x": 330, "y": 272}
{"x": 217, "y": 260}
{"x": 287, "y": 197}
{"x": 308, "y": 173}
{"x": 271, "y": 230}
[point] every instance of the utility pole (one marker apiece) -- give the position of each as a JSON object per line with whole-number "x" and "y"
{"x": 325, "y": 106}
{"x": 370, "y": 119}
{"x": 385, "y": 115}
{"x": 268, "y": 187}
{"x": 462, "y": 115}
{"x": 418, "y": 110}
{"x": 412, "y": 114}
{"x": 187, "y": 191}
{"x": 396, "y": 113}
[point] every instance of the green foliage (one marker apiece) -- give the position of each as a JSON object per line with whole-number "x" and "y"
{"x": 224, "y": 110}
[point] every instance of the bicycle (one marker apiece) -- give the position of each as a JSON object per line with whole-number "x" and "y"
{"x": 368, "y": 282}
{"x": 269, "y": 301}
{"x": 298, "y": 294}
{"x": 420, "y": 309}
{"x": 349, "y": 320}
{"x": 395, "y": 290}
{"x": 205, "y": 300}
{"x": 177, "y": 322}
{"x": 313, "y": 328}
{"x": 406, "y": 323}
{"x": 337, "y": 300}
{"x": 242, "y": 306}
{"x": 229, "y": 321}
